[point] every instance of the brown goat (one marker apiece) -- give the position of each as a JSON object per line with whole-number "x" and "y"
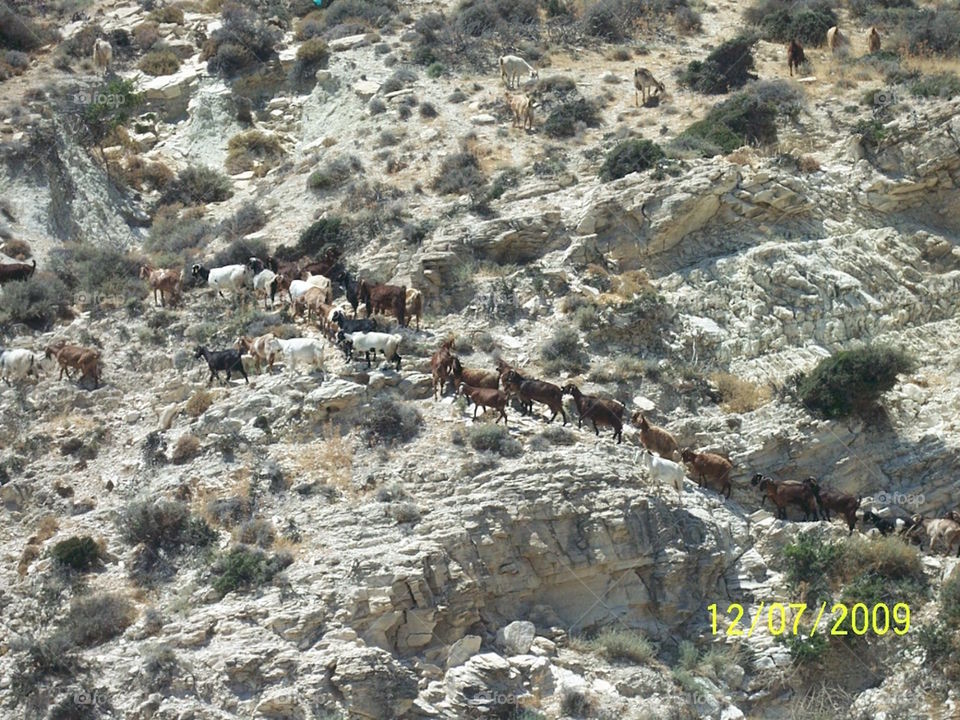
{"x": 840, "y": 503}
{"x": 414, "y": 305}
{"x": 599, "y": 411}
{"x": 441, "y": 363}
{"x": 384, "y": 299}
{"x": 11, "y": 272}
{"x": 656, "y": 439}
{"x": 263, "y": 349}
{"x": 873, "y": 39}
{"x": 486, "y": 397}
{"x": 788, "y": 492}
{"x": 161, "y": 281}
{"x": 85, "y": 360}
{"x": 795, "y": 57}
{"x": 472, "y": 376}
{"x": 710, "y": 468}
{"x": 541, "y": 391}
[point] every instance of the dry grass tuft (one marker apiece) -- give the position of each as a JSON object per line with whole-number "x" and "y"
{"x": 330, "y": 460}
{"x": 739, "y": 395}
{"x": 199, "y": 403}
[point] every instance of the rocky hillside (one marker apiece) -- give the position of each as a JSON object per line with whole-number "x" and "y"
{"x": 342, "y": 544}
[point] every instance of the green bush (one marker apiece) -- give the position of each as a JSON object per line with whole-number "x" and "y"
{"x": 159, "y": 62}
{"x": 94, "y": 619}
{"x": 177, "y": 233}
{"x": 163, "y": 525}
{"x": 562, "y": 352}
{"x": 247, "y": 219}
{"x": 808, "y": 561}
{"x": 197, "y": 185}
{"x": 239, "y": 252}
{"x": 852, "y": 381}
{"x": 476, "y": 18}
{"x": 35, "y": 302}
{"x": 242, "y": 43}
{"x": 950, "y": 598}
{"x": 872, "y": 132}
{"x": 932, "y": 30}
{"x": 245, "y": 568}
{"x": 77, "y": 553}
{"x": 388, "y": 422}
{"x": 167, "y": 14}
{"x": 628, "y": 157}
{"x": 493, "y": 438}
{"x": 323, "y": 236}
{"x": 335, "y": 173}
{"x": 746, "y": 118}
{"x": 945, "y": 86}
{"x": 114, "y": 104}
{"x": 865, "y": 8}
{"x": 562, "y": 121}
{"x": 18, "y": 32}
{"x": 805, "y": 650}
{"x": 97, "y": 272}
{"x": 459, "y": 173}
{"x": 623, "y": 645}
{"x": 781, "y": 21}
{"x": 435, "y": 69}
{"x": 375, "y": 13}
{"x": 726, "y": 68}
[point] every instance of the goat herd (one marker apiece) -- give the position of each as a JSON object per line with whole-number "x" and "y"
{"x": 309, "y": 287}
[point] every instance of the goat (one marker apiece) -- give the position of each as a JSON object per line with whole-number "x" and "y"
{"x": 873, "y": 40}
{"x": 663, "y": 471}
{"x": 656, "y": 438}
{"x": 307, "y": 350}
{"x": 598, "y": 410}
{"x": 299, "y": 288}
{"x": 351, "y": 288}
{"x": 355, "y": 325}
{"x": 837, "y": 41}
{"x": 314, "y": 302}
{"x": 102, "y": 54}
{"x": 643, "y": 79}
{"x": 383, "y": 298}
{"x": 710, "y": 468}
{"x": 473, "y": 377}
{"x": 414, "y": 306}
{"x": 787, "y": 492}
{"x": 266, "y": 283}
{"x": 841, "y": 503}
{"x": 486, "y": 397}
{"x": 539, "y": 390}
{"x": 795, "y": 57}
{"x": 289, "y": 268}
{"x": 522, "y": 108}
{"x": 512, "y": 67}
{"x": 235, "y": 278}
{"x": 884, "y": 525}
{"x": 384, "y": 342}
{"x": 11, "y": 272}
{"x": 18, "y": 364}
{"x": 162, "y": 281}
{"x": 935, "y": 530}
{"x": 217, "y": 360}
{"x": 441, "y": 364}
{"x": 85, "y": 360}
{"x": 263, "y": 349}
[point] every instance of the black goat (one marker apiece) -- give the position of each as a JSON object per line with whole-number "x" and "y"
{"x": 228, "y": 360}
{"x": 882, "y": 524}
{"x": 351, "y": 288}
{"x": 358, "y": 325}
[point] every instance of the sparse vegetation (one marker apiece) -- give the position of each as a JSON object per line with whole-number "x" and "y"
{"x": 852, "y": 381}
{"x": 94, "y": 619}
{"x": 244, "y": 568}
{"x": 620, "y": 645}
{"x": 562, "y": 353}
{"x": 459, "y": 173}
{"x": 336, "y": 173}
{"x": 247, "y": 219}
{"x": 187, "y": 448}
{"x": 739, "y": 395}
{"x": 780, "y": 21}
{"x": 36, "y": 302}
{"x": 564, "y": 120}
{"x": 242, "y": 44}
{"x": 76, "y": 553}
{"x": 162, "y": 525}
{"x": 159, "y": 62}
{"x": 98, "y": 273}
{"x": 311, "y": 56}
{"x": 493, "y": 438}
{"x": 253, "y": 150}
{"x": 628, "y": 157}
{"x": 197, "y": 185}
{"x": 388, "y": 422}
{"x": 726, "y": 68}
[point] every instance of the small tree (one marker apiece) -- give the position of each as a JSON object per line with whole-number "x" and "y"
{"x": 110, "y": 106}
{"x": 727, "y": 68}
{"x": 852, "y": 381}
{"x": 628, "y": 157}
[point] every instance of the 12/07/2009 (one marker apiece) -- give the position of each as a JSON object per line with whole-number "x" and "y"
{"x": 785, "y": 619}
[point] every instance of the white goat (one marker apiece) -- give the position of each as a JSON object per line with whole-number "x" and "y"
{"x": 386, "y": 343}
{"x": 265, "y": 283}
{"x": 308, "y": 350}
{"x": 942, "y": 530}
{"x": 512, "y": 67}
{"x": 18, "y": 364}
{"x": 102, "y": 54}
{"x": 298, "y": 288}
{"x": 235, "y": 278}
{"x": 663, "y": 471}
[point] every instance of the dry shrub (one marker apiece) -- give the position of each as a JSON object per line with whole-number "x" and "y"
{"x": 739, "y": 395}
{"x": 199, "y": 403}
{"x": 187, "y": 448}
{"x": 331, "y": 459}
{"x": 253, "y": 150}
{"x": 808, "y": 164}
